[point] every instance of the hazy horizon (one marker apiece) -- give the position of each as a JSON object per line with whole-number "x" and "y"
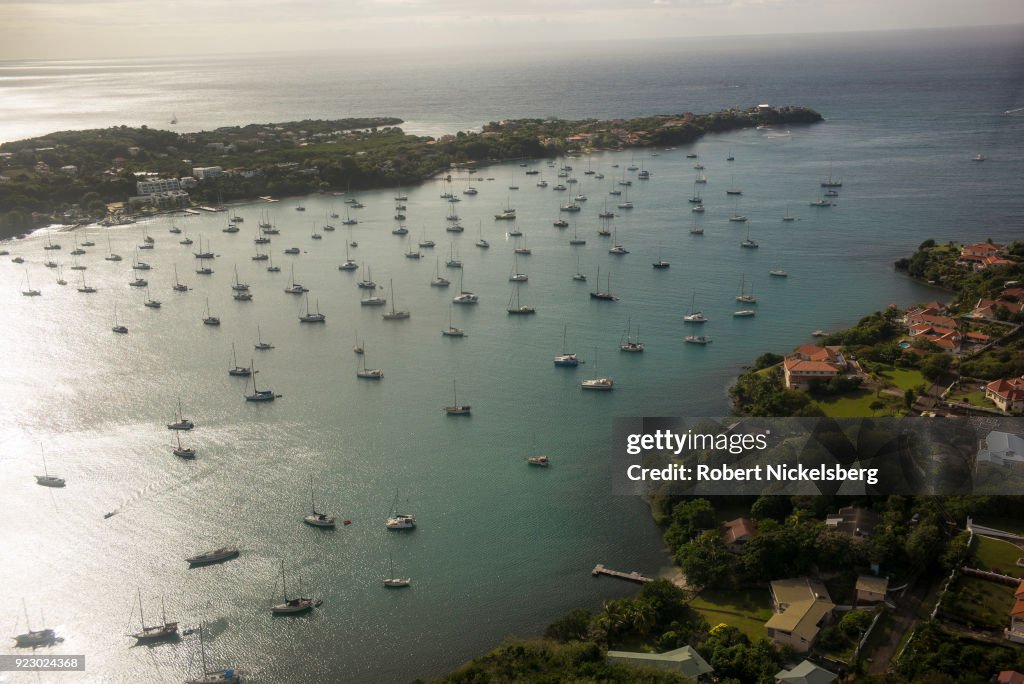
{"x": 110, "y": 29}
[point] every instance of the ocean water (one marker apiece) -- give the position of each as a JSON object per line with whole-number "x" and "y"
{"x": 501, "y": 548}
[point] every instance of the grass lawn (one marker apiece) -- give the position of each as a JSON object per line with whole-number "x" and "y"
{"x": 979, "y": 602}
{"x": 855, "y": 405}
{"x": 904, "y": 378}
{"x": 998, "y": 556}
{"x": 975, "y": 398}
{"x": 720, "y": 606}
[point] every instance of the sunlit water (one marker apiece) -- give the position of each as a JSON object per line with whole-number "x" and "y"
{"x": 501, "y": 548}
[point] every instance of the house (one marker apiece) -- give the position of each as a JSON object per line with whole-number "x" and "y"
{"x": 871, "y": 589}
{"x": 685, "y": 661}
{"x": 853, "y": 521}
{"x": 986, "y": 308}
{"x": 802, "y": 607}
{"x": 1015, "y": 632}
{"x": 805, "y": 673}
{"x": 809, "y": 363}
{"x": 1001, "y": 448}
{"x": 736, "y": 533}
{"x": 928, "y": 316}
{"x": 1007, "y": 394}
{"x": 1010, "y": 677}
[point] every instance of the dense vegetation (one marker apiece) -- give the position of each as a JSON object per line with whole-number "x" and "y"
{"x": 299, "y": 157}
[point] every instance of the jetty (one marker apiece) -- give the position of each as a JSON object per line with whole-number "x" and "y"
{"x": 634, "y": 576}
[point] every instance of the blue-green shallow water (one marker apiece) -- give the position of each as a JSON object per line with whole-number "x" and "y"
{"x": 501, "y": 548}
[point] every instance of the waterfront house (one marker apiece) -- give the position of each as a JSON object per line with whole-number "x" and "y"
{"x": 871, "y": 589}
{"x": 801, "y": 607}
{"x": 805, "y": 673}
{"x": 736, "y": 533}
{"x": 685, "y": 661}
{"x": 809, "y": 362}
{"x": 853, "y": 521}
{"x": 1007, "y": 394}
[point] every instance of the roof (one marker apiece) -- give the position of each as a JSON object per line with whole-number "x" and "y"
{"x": 1010, "y": 677}
{"x": 1018, "y": 609}
{"x": 806, "y": 673}
{"x": 876, "y": 585}
{"x": 797, "y": 365}
{"x": 1002, "y": 442}
{"x": 685, "y": 660}
{"x": 1019, "y": 591}
{"x": 803, "y": 603}
{"x": 738, "y": 529}
{"x": 1010, "y": 389}
{"x": 853, "y": 520}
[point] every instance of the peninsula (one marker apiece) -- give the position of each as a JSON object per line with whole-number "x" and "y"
{"x": 76, "y": 177}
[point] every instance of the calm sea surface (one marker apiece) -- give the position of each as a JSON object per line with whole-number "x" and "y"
{"x": 501, "y": 548}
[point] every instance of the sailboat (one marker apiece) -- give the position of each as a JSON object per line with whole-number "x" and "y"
{"x": 258, "y": 394}
{"x": 616, "y": 248}
{"x": 150, "y": 302}
{"x": 748, "y": 243}
{"x": 732, "y": 187}
{"x": 238, "y": 285}
{"x": 695, "y": 316}
{"x": 576, "y": 239}
{"x": 271, "y": 268}
{"x": 603, "y": 294}
{"x": 835, "y": 183}
{"x": 787, "y": 216}
{"x": 438, "y": 281}
{"x": 578, "y": 275}
{"x": 566, "y": 358}
{"x": 294, "y": 287}
{"x": 392, "y": 582}
{"x": 178, "y": 285}
{"x": 367, "y": 282}
{"x": 29, "y": 292}
{"x": 737, "y": 217}
{"x": 243, "y": 371}
{"x": 399, "y": 521}
{"x": 456, "y": 409}
{"x": 600, "y": 383}
{"x": 209, "y": 319}
{"x": 166, "y": 630}
{"x": 630, "y": 344}
{"x": 516, "y": 276}
{"x": 394, "y": 315}
{"x": 60, "y": 276}
{"x": 117, "y": 327}
{"x": 625, "y": 203}
{"x": 260, "y": 344}
{"x": 180, "y": 451}
{"x": 180, "y": 423}
{"x": 517, "y": 308}
{"x": 33, "y": 638}
{"x": 88, "y": 289}
{"x": 368, "y": 373}
{"x": 47, "y": 480}
{"x": 453, "y": 261}
{"x": 744, "y": 296}
{"x": 111, "y": 256}
{"x": 452, "y": 331}
{"x": 481, "y": 243}
{"x": 291, "y": 606}
{"x": 313, "y": 317}
{"x": 465, "y": 297}
{"x": 223, "y": 676}
{"x": 315, "y": 518}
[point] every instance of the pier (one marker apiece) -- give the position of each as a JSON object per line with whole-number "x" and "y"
{"x": 634, "y": 576}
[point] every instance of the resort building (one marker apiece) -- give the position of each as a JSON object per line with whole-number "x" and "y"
{"x": 1007, "y": 394}
{"x": 809, "y": 363}
{"x": 685, "y": 661}
{"x": 805, "y": 673}
{"x": 160, "y": 185}
{"x": 802, "y": 607}
{"x": 853, "y": 521}
{"x": 203, "y": 172}
{"x": 871, "y": 589}
{"x": 736, "y": 533}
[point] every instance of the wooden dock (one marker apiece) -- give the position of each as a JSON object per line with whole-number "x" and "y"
{"x": 634, "y": 576}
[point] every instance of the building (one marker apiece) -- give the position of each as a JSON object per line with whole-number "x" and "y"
{"x": 1015, "y": 632}
{"x": 1001, "y": 448}
{"x": 987, "y": 309}
{"x": 157, "y": 186}
{"x": 853, "y": 521}
{"x": 1007, "y": 394}
{"x": 805, "y": 673}
{"x": 871, "y": 589}
{"x": 736, "y": 533}
{"x": 1010, "y": 677}
{"x": 802, "y": 607}
{"x": 203, "y": 172}
{"x": 684, "y": 661}
{"x": 809, "y": 363}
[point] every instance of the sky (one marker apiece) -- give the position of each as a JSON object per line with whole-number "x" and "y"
{"x": 79, "y": 29}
